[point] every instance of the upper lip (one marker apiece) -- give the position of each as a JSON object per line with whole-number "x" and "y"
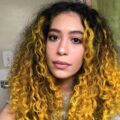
{"x": 61, "y": 62}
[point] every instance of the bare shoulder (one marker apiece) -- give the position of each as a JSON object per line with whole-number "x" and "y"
{"x": 6, "y": 114}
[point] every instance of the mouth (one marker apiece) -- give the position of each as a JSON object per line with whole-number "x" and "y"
{"x": 61, "y": 64}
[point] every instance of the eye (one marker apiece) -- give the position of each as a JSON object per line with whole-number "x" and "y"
{"x": 52, "y": 37}
{"x": 76, "y": 40}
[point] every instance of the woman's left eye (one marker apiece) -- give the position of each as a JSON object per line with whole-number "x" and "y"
{"x": 76, "y": 40}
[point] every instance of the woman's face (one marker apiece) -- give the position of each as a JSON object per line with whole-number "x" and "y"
{"x": 64, "y": 48}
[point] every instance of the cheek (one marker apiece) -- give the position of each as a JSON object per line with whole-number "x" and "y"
{"x": 77, "y": 58}
{"x": 50, "y": 51}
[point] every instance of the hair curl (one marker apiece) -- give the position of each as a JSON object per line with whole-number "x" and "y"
{"x": 33, "y": 93}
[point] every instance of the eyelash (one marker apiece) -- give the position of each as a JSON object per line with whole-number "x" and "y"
{"x": 52, "y": 37}
{"x": 74, "y": 40}
{"x": 79, "y": 41}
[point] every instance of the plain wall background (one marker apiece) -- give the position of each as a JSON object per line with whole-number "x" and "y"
{"x": 14, "y": 16}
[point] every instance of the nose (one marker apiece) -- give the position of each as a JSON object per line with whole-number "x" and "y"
{"x": 63, "y": 48}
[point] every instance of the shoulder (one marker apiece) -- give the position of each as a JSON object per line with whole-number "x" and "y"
{"x": 116, "y": 118}
{"x": 6, "y": 114}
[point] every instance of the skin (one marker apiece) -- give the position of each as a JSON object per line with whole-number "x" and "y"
{"x": 6, "y": 113}
{"x": 64, "y": 44}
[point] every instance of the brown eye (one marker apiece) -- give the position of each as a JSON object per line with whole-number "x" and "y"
{"x": 76, "y": 40}
{"x": 52, "y": 37}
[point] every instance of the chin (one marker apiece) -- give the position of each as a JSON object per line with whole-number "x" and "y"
{"x": 62, "y": 76}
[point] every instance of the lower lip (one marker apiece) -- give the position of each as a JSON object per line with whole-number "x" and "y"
{"x": 60, "y": 66}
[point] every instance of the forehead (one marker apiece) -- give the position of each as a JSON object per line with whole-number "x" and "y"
{"x": 67, "y": 20}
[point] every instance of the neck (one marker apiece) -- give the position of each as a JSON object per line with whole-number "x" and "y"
{"x": 66, "y": 86}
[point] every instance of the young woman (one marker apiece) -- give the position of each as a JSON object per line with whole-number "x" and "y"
{"x": 66, "y": 68}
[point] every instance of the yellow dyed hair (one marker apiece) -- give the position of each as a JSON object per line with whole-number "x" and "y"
{"x": 31, "y": 85}
{"x": 34, "y": 95}
{"x": 97, "y": 96}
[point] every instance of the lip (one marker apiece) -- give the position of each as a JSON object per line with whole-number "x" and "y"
{"x": 61, "y": 64}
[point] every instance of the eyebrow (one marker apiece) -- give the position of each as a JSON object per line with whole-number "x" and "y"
{"x": 72, "y": 32}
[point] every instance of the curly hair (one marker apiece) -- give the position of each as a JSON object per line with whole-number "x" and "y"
{"x": 96, "y": 95}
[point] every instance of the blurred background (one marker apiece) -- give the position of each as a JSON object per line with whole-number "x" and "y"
{"x": 15, "y": 15}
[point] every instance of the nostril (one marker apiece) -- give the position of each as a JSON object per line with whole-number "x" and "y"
{"x": 61, "y": 52}
{"x": 63, "y": 47}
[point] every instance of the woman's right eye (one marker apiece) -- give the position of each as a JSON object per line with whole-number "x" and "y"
{"x": 52, "y": 37}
